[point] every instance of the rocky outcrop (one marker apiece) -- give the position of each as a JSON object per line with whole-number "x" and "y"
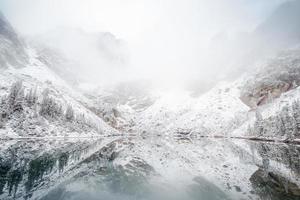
{"x": 264, "y": 95}
{"x": 278, "y": 76}
{"x": 274, "y": 186}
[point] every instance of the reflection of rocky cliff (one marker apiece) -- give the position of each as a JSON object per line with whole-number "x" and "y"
{"x": 288, "y": 155}
{"x": 135, "y": 168}
{"x": 273, "y": 186}
{"x": 27, "y": 170}
{"x": 106, "y": 178}
{"x": 28, "y": 167}
{"x": 279, "y": 171}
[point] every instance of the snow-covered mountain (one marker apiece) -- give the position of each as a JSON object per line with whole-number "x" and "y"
{"x": 35, "y": 101}
{"x": 263, "y": 104}
{"x": 44, "y": 100}
{"x": 79, "y": 56}
{"x": 234, "y": 108}
{"x": 12, "y": 47}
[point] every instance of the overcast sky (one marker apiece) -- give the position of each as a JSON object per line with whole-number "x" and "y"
{"x": 133, "y": 18}
{"x": 163, "y": 35}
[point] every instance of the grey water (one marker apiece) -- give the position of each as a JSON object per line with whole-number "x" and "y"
{"x": 160, "y": 168}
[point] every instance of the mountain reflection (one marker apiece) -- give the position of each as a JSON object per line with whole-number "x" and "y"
{"x": 148, "y": 168}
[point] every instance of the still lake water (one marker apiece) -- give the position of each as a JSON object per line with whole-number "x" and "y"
{"x": 160, "y": 168}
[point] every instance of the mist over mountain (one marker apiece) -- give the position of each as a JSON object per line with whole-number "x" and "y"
{"x": 88, "y": 56}
{"x": 35, "y": 99}
{"x": 282, "y": 28}
{"x": 12, "y": 47}
{"x": 7, "y": 30}
{"x": 152, "y": 100}
{"x": 244, "y": 50}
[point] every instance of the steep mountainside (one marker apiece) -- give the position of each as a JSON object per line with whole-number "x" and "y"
{"x": 12, "y": 49}
{"x": 35, "y": 101}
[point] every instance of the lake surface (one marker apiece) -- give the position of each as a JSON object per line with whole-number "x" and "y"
{"x": 158, "y": 168}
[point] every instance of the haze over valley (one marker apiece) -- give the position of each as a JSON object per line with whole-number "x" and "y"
{"x": 194, "y": 100}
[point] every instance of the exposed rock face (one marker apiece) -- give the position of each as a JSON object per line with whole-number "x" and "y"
{"x": 280, "y": 75}
{"x": 265, "y": 95}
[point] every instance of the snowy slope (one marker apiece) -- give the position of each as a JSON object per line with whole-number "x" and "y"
{"x": 18, "y": 118}
{"x": 37, "y": 76}
{"x": 222, "y": 111}
{"x": 229, "y": 108}
{"x": 213, "y": 113}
